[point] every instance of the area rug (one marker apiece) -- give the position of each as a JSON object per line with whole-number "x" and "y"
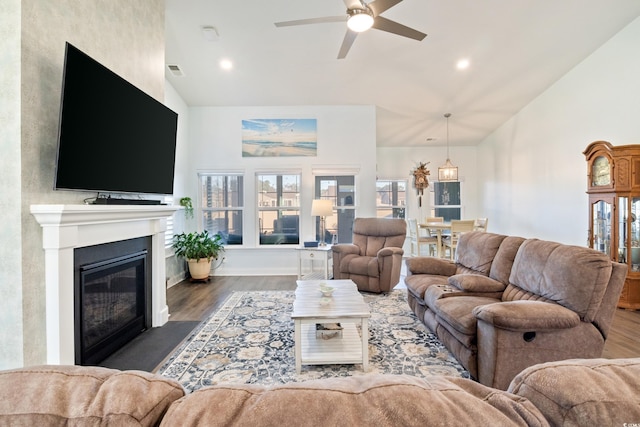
{"x": 250, "y": 340}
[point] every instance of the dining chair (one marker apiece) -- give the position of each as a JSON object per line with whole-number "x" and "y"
{"x": 418, "y": 239}
{"x": 458, "y": 227}
{"x": 435, "y": 219}
{"x": 480, "y": 224}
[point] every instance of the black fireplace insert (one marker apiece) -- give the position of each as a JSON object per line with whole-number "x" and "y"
{"x": 112, "y": 298}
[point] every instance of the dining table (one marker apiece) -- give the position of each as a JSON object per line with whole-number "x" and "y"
{"x": 438, "y": 228}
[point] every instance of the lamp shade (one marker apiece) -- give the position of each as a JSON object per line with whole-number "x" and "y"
{"x": 448, "y": 172}
{"x": 320, "y": 207}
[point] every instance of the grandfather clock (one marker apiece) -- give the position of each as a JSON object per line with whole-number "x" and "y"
{"x": 613, "y": 185}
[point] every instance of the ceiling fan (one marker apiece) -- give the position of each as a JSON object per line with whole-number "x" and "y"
{"x": 360, "y": 17}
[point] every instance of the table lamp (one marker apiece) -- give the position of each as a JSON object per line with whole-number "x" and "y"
{"x": 322, "y": 208}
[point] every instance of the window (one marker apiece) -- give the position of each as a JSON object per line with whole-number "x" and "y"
{"x": 341, "y": 191}
{"x": 279, "y": 208}
{"x": 222, "y": 206}
{"x": 446, "y": 201}
{"x": 391, "y": 198}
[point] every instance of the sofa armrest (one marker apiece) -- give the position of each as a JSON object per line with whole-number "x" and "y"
{"x": 84, "y": 395}
{"x": 475, "y": 283}
{"x": 431, "y": 265}
{"x": 390, "y": 250}
{"x": 583, "y": 391}
{"x": 527, "y": 316}
{"x": 345, "y": 248}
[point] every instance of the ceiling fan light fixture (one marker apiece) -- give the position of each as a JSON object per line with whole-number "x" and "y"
{"x": 359, "y": 20}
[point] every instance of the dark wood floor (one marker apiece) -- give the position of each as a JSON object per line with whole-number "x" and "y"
{"x": 195, "y": 301}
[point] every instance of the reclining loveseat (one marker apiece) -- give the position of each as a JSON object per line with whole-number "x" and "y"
{"x": 507, "y": 303}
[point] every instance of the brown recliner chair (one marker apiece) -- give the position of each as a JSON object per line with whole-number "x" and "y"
{"x": 374, "y": 258}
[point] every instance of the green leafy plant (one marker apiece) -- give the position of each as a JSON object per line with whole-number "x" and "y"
{"x": 198, "y": 245}
{"x": 187, "y": 204}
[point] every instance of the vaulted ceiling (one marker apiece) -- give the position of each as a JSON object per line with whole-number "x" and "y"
{"x": 516, "y": 50}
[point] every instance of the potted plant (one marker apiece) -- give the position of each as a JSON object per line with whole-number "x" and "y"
{"x": 186, "y": 203}
{"x": 199, "y": 249}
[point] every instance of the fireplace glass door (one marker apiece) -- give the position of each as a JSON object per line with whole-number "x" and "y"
{"x": 112, "y": 305}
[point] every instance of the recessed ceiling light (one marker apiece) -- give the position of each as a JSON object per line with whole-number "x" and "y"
{"x": 463, "y": 64}
{"x": 226, "y": 64}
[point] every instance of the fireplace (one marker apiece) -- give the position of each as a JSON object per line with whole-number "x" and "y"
{"x": 66, "y": 228}
{"x": 112, "y": 297}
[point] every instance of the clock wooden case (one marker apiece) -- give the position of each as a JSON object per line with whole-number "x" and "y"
{"x": 613, "y": 186}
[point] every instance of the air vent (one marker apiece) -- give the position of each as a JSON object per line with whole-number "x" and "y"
{"x": 175, "y": 70}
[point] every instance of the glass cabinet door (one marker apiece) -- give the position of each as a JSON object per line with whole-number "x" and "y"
{"x": 623, "y": 229}
{"x": 601, "y": 212}
{"x": 634, "y": 230}
{"x": 629, "y": 232}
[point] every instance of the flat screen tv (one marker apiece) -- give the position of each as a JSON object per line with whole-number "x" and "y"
{"x": 112, "y": 136}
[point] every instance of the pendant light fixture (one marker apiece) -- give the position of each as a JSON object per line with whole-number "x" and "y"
{"x": 448, "y": 172}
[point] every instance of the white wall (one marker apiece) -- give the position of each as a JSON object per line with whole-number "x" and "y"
{"x": 174, "y": 101}
{"x": 175, "y": 268}
{"x": 346, "y": 142}
{"x": 534, "y": 175}
{"x": 398, "y": 163}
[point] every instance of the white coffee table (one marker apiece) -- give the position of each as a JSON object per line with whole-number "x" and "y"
{"x": 346, "y": 307}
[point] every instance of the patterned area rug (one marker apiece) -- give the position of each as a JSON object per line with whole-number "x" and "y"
{"x": 250, "y": 340}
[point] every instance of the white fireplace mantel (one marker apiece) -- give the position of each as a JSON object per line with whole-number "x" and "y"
{"x": 66, "y": 227}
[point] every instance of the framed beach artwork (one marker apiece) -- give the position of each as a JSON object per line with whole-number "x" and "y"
{"x": 279, "y": 138}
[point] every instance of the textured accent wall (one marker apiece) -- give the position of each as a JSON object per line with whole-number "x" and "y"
{"x": 127, "y": 36}
{"x": 10, "y": 249}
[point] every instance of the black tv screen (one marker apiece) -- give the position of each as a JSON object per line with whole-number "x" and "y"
{"x": 112, "y": 137}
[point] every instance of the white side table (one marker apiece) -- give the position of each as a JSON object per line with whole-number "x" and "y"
{"x": 321, "y": 256}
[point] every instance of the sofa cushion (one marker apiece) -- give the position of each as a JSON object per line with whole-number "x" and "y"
{"x": 457, "y": 312}
{"x": 436, "y": 292}
{"x": 83, "y": 395}
{"x": 583, "y": 392}
{"x": 476, "y": 250}
{"x": 572, "y": 276}
{"x": 503, "y": 262}
{"x": 418, "y": 284}
{"x": 367, "y": 400}
{"x": 363, "y": 265}
{"x": 475, "y": 283}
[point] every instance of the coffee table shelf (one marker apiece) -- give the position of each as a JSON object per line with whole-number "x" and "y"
{"x": 346, "y": 307}
{"x": 318, "y": 351}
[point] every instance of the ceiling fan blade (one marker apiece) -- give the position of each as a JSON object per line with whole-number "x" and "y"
{"x": 380, "y": 6}
{"x": 349, "y": 38}
{"x": 353, "y": 4}
{"x": 384, "y": 24}
{"x": 322, "y": 20}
